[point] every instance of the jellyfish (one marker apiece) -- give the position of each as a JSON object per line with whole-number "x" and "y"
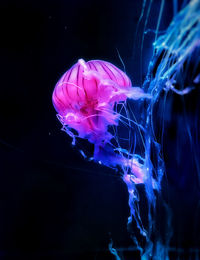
{"x": 85, "y": 99}
{"x": 91, "y": 100}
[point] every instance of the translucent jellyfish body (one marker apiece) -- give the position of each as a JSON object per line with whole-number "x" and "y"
{"x": 85, "y": 99}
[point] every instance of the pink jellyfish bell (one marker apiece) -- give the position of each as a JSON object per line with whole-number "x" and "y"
{"x": 85, "y": 95}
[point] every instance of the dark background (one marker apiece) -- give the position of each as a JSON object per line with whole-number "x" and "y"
{"x": 53, "y": 203}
